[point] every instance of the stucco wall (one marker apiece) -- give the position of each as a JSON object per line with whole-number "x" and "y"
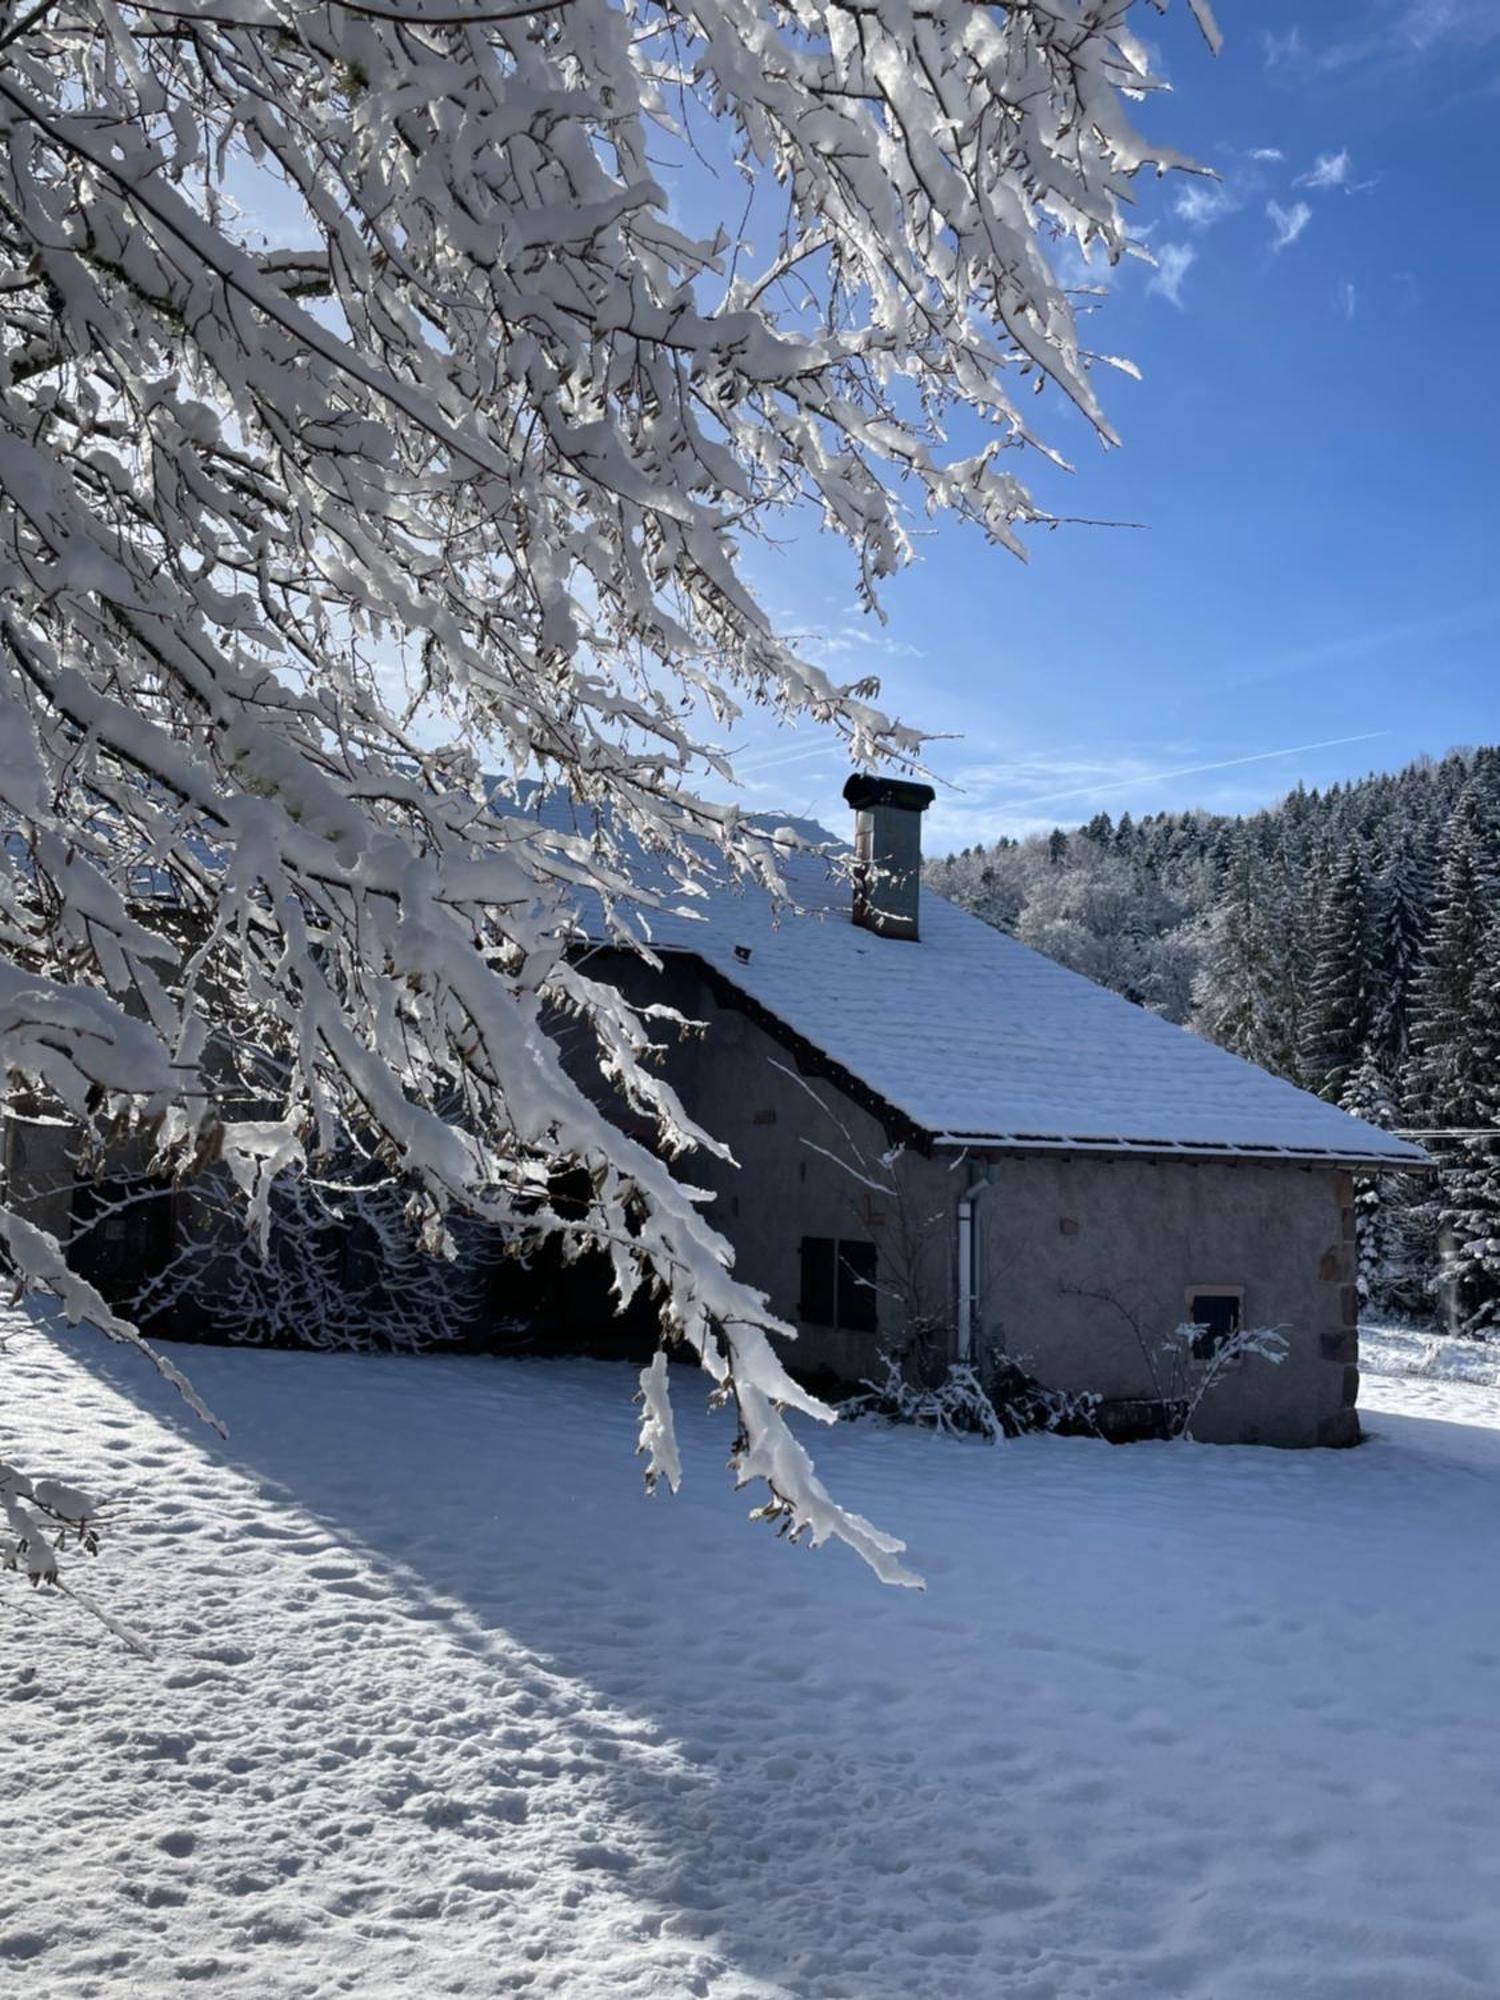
{"x": 1078, "y": 1253}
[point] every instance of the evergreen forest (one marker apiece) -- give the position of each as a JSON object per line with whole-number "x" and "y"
{"x": 1348, "y": 940}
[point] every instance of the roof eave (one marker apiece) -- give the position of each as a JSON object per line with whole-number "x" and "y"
{"x": 1180, "y": 1149}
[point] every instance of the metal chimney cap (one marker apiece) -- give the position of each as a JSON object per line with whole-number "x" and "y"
{"x": 865, "y": 789}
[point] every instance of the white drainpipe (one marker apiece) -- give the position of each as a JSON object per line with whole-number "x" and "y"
{"x": 968, "y": 1269}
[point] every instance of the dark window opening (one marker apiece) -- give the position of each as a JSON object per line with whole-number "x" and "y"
{"x": 856, "y": 1288}
{"x": 1215, "y": 1313}
{"x": 817, "y": 1304}
{"x": 838, "y": 1284}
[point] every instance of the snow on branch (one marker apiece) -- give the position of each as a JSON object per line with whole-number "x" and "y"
{"x": 313, "y": 528}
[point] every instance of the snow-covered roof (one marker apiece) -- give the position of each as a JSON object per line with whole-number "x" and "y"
{"x": 979, "y": 1041}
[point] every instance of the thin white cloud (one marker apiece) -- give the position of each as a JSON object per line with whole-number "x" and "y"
{"x": 1289, "y": 223}
{"x": 828, "y": 644}
{"x": 1079, "y": 773}
{"x": 1426, "y": 23}
{"x": 1329, "y": 170}
{"x": 1282, "y": 48}
{"x": 1267, "y": 153}
{"x": 1173, "y": 261}
{"x": 1400, "y": 31}
{"x": 1200, "y": 204}
{"x": 1348, "y": 298}
{"x": 1198, "y": 770}
{"x": 983, "y": 800}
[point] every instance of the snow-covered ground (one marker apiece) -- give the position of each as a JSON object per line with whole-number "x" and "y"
{"x": 442, "y": 1705}
{"x": 1420, "y": 1354}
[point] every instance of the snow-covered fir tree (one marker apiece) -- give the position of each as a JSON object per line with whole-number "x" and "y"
{"x": 1334, "y": 1018}
{"x": 1297, "y": 883}
{"x": 1402, "y": 904}
{"x": 1239, "y": 994}
{"x": 1389, "y": 1208}
{"x": 1471, "y": 1190}
{"x": 1448, "y": 1078}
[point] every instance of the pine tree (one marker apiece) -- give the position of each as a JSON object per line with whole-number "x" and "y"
{"x": 1472, "y": 1192}
{"x": 1335, "y": 1017}
{"x": 1447, "y": 1077}
{"x": 1401, "y": 907}
{"x": 1237, "y": 994}
{"x": 1394, "y": 1253}
{"x": 1456, "y": 1041}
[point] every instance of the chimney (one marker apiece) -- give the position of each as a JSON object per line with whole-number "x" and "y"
{"x": 888, "y": 852}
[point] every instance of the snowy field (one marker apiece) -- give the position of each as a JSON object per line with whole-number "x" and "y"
{"x": 442, "y": 1705}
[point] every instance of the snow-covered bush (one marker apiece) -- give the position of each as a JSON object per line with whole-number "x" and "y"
{"x": 1190, "y": 1363}
{"x": 957, "y": 1405}
{"x": 1025, "y": 1405}
{"x": 1183, "y": 1367}
{"x": 340, "y": 1267}
{"x": 998, "y": 1400}
{"x": 369, "y": 420}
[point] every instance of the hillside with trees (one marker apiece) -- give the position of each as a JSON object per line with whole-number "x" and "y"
{"x": 1348, "y": 940}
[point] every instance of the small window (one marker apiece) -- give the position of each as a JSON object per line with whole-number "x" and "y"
{"x": 838, "y": 1284}
{"x": 1215, "y": 1311}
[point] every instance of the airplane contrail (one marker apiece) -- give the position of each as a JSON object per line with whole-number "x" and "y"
{"x": 791, "y": 753}
{"x": 1186, "y": 771}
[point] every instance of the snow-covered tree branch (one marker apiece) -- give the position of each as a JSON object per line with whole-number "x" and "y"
{"x": 371, "y": 421}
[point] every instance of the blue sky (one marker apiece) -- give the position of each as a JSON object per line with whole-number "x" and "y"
{"x": 1313, "y": 452}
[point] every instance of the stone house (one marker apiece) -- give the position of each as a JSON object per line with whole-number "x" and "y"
{"x": 949, "y": 1147}
{"x": 942, "y": 1137}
